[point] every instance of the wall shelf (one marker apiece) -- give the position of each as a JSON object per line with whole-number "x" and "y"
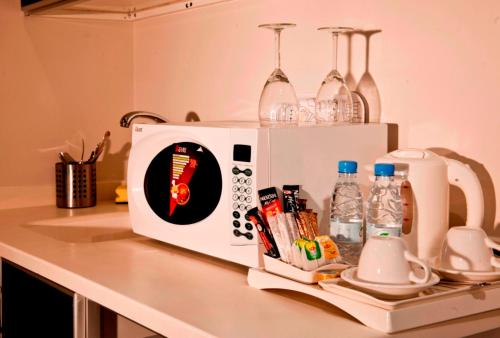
{"x": 116, "y": 10}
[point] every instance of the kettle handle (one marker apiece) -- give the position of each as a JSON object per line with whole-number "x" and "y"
{"x": 462, "y": 176}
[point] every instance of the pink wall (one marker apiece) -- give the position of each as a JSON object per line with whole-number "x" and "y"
{"x": 59, "y": 80}
{"x": 436, "y": 65}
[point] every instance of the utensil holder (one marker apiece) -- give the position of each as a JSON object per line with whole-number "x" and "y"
{"x": 75, "y": 185}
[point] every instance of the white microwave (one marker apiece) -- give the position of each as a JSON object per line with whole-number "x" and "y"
{"x": 191, "y": 184}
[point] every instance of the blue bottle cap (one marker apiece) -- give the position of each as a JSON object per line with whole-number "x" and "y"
{"x": 384, "y": 169}
{"x": 348, "y": 167}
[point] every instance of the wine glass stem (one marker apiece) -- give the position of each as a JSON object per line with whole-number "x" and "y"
{"x": 367, "y": 53}
{"x": 335, "y": 37}
{"x": 277, "y": 60}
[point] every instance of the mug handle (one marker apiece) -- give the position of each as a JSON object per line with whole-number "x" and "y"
{"x": 427, "y": 272}
{"x": 490, "y": 244}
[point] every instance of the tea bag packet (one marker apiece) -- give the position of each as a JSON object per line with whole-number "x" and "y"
{"x": 329, "y": 249}
{"x": 311, "y": 256}
{"x": 307, "y": 254}
{"x": 296, "y": 254}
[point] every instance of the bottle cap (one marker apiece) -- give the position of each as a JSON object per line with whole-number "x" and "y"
{"x": 348, "y": 167}
{"x": 384, "y": 169}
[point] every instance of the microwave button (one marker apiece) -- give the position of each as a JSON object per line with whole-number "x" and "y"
{"x": 248, "y": 199}
{"x": 236, "y": 206}
{"x": 236, "y": 224}
{"x": 235, "y": 179}
{"x": 248, "y": 226}
{"x": 235, "y": 188}
{"x": 242, "y": 180}
{"x": 248, "y": 181}
{"x": 242, "y": 189}
{"x": 248, "y": 191}
{"x": 236, "y": 214}
{"x": 247, "y": 217}
{"x": 248, "y": 235}
{"x": 237, "y": 233}
{"x": 248, "y": 172}
{"x": 249, "y": 207}
{"x": 236, "y": 171}
{"x": 242, "y": 207}
{"x": 242, "y": 198}
{"x": 235, "y": 197}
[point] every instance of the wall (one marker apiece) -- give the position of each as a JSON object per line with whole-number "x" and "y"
{"x": 436, "y": 65}
{"x": 59, "y": 81}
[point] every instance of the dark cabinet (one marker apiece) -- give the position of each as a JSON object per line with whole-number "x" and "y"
{"x": 33, "y": 306}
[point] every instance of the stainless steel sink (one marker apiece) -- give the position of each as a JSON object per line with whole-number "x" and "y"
{"x": 85, "y": 229}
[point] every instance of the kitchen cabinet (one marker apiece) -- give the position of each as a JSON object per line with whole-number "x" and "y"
{"x": 33, "y": 306}
{"x": 118, "y": 10}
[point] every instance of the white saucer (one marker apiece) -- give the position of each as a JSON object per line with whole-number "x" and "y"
{"x": 388, "y": 291}
{"x": 468, "y": 276}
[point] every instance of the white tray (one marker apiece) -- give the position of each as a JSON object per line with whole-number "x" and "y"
{"x": 281, "y": 268}
{"x": 441, "y": 302}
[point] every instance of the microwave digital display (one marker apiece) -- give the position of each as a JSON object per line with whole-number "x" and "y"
{"x": 242, "y": 153}
{"x": 183, "y": 183}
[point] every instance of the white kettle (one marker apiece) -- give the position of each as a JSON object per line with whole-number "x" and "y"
{"x": 429, "y": 175}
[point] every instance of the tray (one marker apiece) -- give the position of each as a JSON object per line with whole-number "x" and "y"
{"x": 281, "y": 268}
{"x": 441, "y": 302}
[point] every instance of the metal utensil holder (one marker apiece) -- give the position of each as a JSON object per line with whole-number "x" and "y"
{"x": 75, "y": 185}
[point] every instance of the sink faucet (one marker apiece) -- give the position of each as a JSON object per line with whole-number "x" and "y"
{"x": 127, "y": 118}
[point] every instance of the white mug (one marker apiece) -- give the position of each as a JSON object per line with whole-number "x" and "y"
{"x": 468, "y": 249}
{"x": 387, "y": 260}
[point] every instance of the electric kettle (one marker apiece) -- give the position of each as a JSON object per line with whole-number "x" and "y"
{"x": 429, "y": 176}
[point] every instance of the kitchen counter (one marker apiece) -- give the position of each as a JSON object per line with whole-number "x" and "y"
{"x": 172, "y": 291}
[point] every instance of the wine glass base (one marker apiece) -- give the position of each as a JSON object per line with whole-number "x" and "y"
{"x": 277, "y": 26}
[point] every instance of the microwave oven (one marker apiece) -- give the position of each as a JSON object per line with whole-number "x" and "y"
{"x": 190, "y": 184}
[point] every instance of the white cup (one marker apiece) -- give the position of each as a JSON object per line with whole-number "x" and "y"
{"x": 468, "y": 249}
{"x": 386, "y": 260}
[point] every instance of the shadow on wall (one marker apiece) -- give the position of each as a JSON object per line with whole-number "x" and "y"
{"x": 458, "y": 205}
{"x": 111, "y": 171}
{"x": 366, "y": 85}
{"x": 192, "y": 117}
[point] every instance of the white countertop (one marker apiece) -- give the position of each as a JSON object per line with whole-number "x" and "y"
{"x": 175, "y": 292}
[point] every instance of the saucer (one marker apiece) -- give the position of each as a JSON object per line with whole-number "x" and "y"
{"x": 388, "y": 291}
{"x": 468, "y": 276}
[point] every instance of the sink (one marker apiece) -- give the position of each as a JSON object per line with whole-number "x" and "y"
{"x": 85, "y": 229}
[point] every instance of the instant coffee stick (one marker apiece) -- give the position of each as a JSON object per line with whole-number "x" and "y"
{"x": 264, "y": 233}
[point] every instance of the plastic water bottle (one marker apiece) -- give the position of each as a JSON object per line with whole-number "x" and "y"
{"x": 346, "y": 213}
{"x": 384, "y": 215}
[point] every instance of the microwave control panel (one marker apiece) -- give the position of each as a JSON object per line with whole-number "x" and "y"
{"x": 243, "y": 194}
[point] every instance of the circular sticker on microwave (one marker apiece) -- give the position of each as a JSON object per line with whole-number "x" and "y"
{"x": 183, "y": 183}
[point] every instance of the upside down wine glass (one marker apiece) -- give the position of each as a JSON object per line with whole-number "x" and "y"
{"x": 334, "y": 100}
{"x": 278, "y": 102}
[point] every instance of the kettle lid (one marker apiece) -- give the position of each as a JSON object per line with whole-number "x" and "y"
{"x": 412, "y": 156}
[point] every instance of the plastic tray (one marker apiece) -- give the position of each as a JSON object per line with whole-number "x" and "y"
{"x": 441, "y": 302}
{"x": 281, "y": 268}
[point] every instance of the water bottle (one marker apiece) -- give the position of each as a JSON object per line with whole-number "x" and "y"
{"x": 384, "y": 215}
{"x": 346, "y": 213}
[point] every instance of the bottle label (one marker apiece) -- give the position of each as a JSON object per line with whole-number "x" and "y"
{"x": 383, "y": 230}
{"x": 347, "y": 232}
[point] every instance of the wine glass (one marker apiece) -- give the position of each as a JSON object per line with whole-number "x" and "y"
{"x": 278, "y": 102}
{"x": 334, "y": 100}
{"x": 366, "y": 85}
